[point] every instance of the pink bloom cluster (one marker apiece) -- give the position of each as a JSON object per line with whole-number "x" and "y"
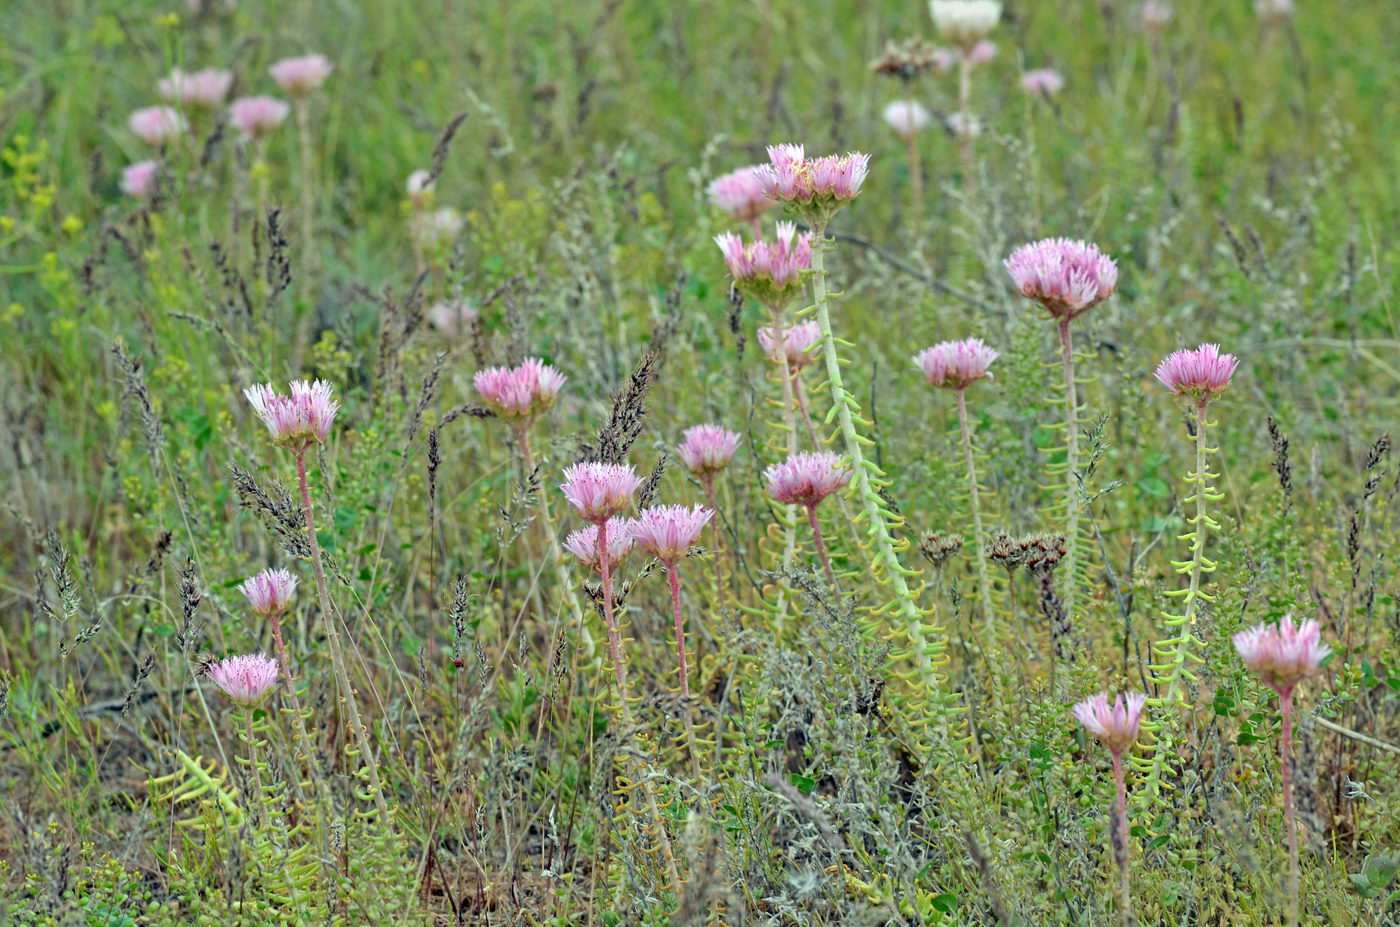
{"x": 707, "y": 449}
{"x": 956, "y": 364}
{"x": 1200, "y": 374}
{"x": 598, "y": 491}
{"x": 269, "y": 592}
{"x": 813, "y": 187}
{"x": 520, "y": 393}
{"x": 245, "y": 679}
{"x": 770, "y": 272}
{"x": 1042, "y": 82}
{"x": 740, "y": 194}
{"x": 583, "y": 543}
{"x": 299, "y": 76}
{"x": 667, "y": 531}
{"x": 791, "y": 345}
{"x": 1284, "y": 654}
{"x": 257, "y": 116}
{"x": 1115, "y": 726}
{"x": 806, "y": 479}
{"x": 206, "y": 88}
{"x": 297, "y": 421}
{"x": 139, "y": 179}
{"x": 1067, "y": 277}
{"x": 157, "y": 125}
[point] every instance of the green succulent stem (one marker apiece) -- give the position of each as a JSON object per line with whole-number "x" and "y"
{"x": 1070, "y": 567}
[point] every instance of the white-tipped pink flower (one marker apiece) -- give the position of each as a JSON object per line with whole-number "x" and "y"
{"x": 1284, "y": 654}
{"x": 453, "y": 318}
{"x": 667, "y": 531}
{"x": 1154, "y": 16}
{"x": 906, "y": 117}
{"x": 740, "y": 194}
{"x": 806, "y": 479}
{"x": 770, "y": 272}
{"x": 299, "y": 76}
{"x": 139, "y": 179}
{"x": 583, "y": 543}
{"x": 984, "y": 52}
{"x": 297, "y": 421}
{"x": 965, "y": 22}
{"x": 157, "y": 125}
{"x": 246, "y": 679}
{"x": 813, "y": 187}
{"x": 269, "y": 592}
{"x": 707, "y": 449}
{"x": 258, "y": 116}
{"x": 1115, "y": 726}
{"x": 956, "y": 364}
{"x": 206, "y": 88}
{"x": 599, "y": 491}
{"x": 1042, "y": 82}
{"x": 791, "y": 345}
{"x": 1067, "y": 277}
{"x": 1200, "y": 374}
{"x": 520, "y": 393}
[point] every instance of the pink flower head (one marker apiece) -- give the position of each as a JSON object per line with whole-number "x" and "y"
{"x": 740, "y": 194}
{"x": 1200, "y": 374}
{"x": 157, "y": 125}
{"x": 453, "y": 318}
{"x": 269, "y": 592}
{"x": 139, "y": 179}
{"x": 806, "y": 479}
{"x": 420, "y": 186}
{"x": 245, "y": 679}
{"x": 984, "y": 52}
{"x": 707, "y": 449}
{"x": 1284, "y": 654}
{"x": 943, "y": 60}
{"x": 906, "y": 117}
{"x": 300, "y": 76}
{"x": 667, "y": 531}
{"x": 956, "y": 364}
{"x": 1154, "y": 15}
{"x": 770, "y": 272}
{"x": 1115, "y": 726}
{"x": 813, "y": 187}
{"x": 965, "y": 22}
{"x": 791, "y": 345}
{"x": 963, "y": 125}
{"x": 1067, "y": 277}
{"x": 1042, "y": 82}
{"x": 598, "y": 491}
{"x": 520, "y": 393}
{"x": 257, "y": 116}
{"x": 583, "y": 543}
{"x": 206, "y": 88}
{"x": 297, "y": 421}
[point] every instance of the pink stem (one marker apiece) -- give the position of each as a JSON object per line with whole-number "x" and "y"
{"x": 801, "y": 398}
{"x": 1285, "y": 750}
{"x": 821, "y": 548}
{"x": 675, "y": 577}
{"x": 1120, "y": 841}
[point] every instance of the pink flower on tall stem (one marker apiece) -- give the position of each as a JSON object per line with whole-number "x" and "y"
{"x": 157, "y": 125}
{"x": 814, "y": 188}
{"x": 1199, "y": 374}
{"x": 806, "y": 479}
{"x": 707, "y": 449}
{"x": 258, "y": 116}
{"x": 740, "y": 195}
{"x": 768, "y": 271}
{"x": 140, "y": 179}
{"x": 1042, "y": 82}
{"x": 906, "y": 117}
{"x": 583, "y": 544}
{"x": 1282, "y": 656}
{"x": 956, "y": 364}
{"x": 792, "y": 345}
{"x": 1154, "y": 16}
{"x": 270, "y": 592}
{"x": 599, "y": 491}
{"x": 984, "y": 52}
{"x": 522, "y": 393}
{"x": 965, "y": 22}
{"x": 299, "y": 76}
{"x": 297, "y": 421}
{"x": 206, "y": 88}
{"x": 1116, "y": 727}
{"x": 246, "y": 680}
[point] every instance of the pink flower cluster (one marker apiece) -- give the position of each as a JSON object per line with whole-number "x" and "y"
{"x": 1042, "y": 82}
{"x": 206, "y": 88}
{"x": 1067, "y": 277}
{"x": 1284, "y": 654}
{"x": 1200, "y": 374}
{"x": 667, "y": 531}
{"x": 806, "y": 479}
{"x": 707, "y": 449}
{"x": 583, "y": 543}
{"x": 157, "y": 125}
{"x": 956, "y": 364}
{"x": 297, "y": 421}
{"x": 791, "y": 345}
{"x": 246, "y": 679}
{"x": 813, "y": 187}
{"x": 269, "y": 592}
{"x": 139, "y": 179}
{"x": 1115, "y": 726}
{"x": 520, "y": 393}
{"x": 299, "y": 76}
{"x": 257, "y": 116}
{"x": 598, "y": 491}
{"x": 740, "y": 194}
{"x": 770, "y": 272}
